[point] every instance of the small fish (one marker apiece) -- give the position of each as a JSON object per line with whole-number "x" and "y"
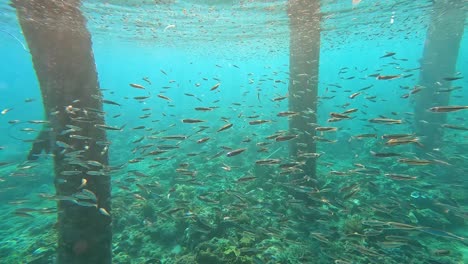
{"x": 192, "y": 121}
{"x": 202, "y": 140}
{"x": 441, "y": 252}
{"x": 453, "y": 78}
{"x": 104, "y": 127}
{"x": 394, "y": 136}
{"x": 227, "y": 126}
{"x": 388, "y": 77}
{"x": 388, "y": 54}
{"x": 268, "y": 161}
{"x": 175, "y": 137}
{"x": 354, "y": 95}
{"x": 384, "y": 154}
{"x": 455, "y": 127}
{"x": 79, "y": 137}
{"x": 259, "y": 122}
{"x": 287, "y": 114}
{"x": 83, "y": 183}
{"x": 62, "y": 144}
{"x": 23, "y": 214}
{"x": 141, "y": 97}
{"x": 215, "y": 87}
{"x": 138, "y": 86}
{"x": 281, "y": 98}
{"x": 349, "y": 111}
{"x": 402, "y": 141}
{"x": 235, "y": 152}
{"x": 400, "y": 177}
{"x": 322, "y": 139}
{"x": 6, "y": 110}
{"x": 204, "y": 109}
{"x": 111, "y": 102}
{"x": 285, "y": 138}
{"x": 164, "y": 97}
{"x": 245, "y": 179}
{"x": 418, "y": 162}
{"x": 38, "y": 121}
{"x": 103, "y": 211}
{"x": 339, "y": 116}
{"x": 326, "y": 129}
{"x": 387, "y": 121}
{"x": 446, "y": 109}
{"x": 334, "y": 119}
{"x": 370, "y": 135}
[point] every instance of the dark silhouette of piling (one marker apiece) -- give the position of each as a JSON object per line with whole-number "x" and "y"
{"x": 304, "y": 24}
{"x": 62, "y": 55}
{"x": 439, "y": 60}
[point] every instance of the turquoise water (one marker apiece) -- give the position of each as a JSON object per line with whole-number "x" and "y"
{"x": 187, "y": 205}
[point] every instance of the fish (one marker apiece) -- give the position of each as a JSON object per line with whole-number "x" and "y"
{"x": 384, "y": 154}
{"x": 139, "y": 98}
{"x": 202, "y": 140}
{"x": 453, "y": 78}
{"x": 395, "y": 136}
{"x": 164, "y": 97}
{"x": 192, "y": 121}
{"x": 446, "y": 109}
{"x": 388, "y": 54}
{"x": 441, "y": 252}
{"x": 285, "y": 138}
{"x": 215, "y": 87}
{"x": 326, "y": 129}
{"x": 354, "y": 95}
{"x": 287, "y": 114}
{"x": 448, "y": 90}
{"x": 175, "y": 137}
{"x": 38, "y": 122}
{"x": 369, "y": 135}
{"x": 105, "y": 127}
{"x": 146, "y": 79}
{"x": 268, "y": 161}
{"x": 339, "y": 116}
{"x": 204, "y": 109}
{"x": 402, "y": 141}
{"x": 322, "y": 139}
{"x": 227, "y": 126}
{"x": 400, "y": 177}
{"x": 138, "y": 86}
{"x": 349, "y": 111}
{"x": 79, "y": 137}
{"x": 280, "y": 98}
{"x": 387, "y": 121}
{"x": 259, "y": 122}
{"x": 83, "y": 183}
{"x": 455, "y": 127}
{"x": 6, "y": 110}
{"x": 23, "y": 214}
{"x": 111, "y": 102}
{"x": 415, "y": 161}
{"x": 245, "y": 179}
{"x": 235, "y": 152}
{"x": 103, "y": 211}
{"x": 388, "y": 77}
